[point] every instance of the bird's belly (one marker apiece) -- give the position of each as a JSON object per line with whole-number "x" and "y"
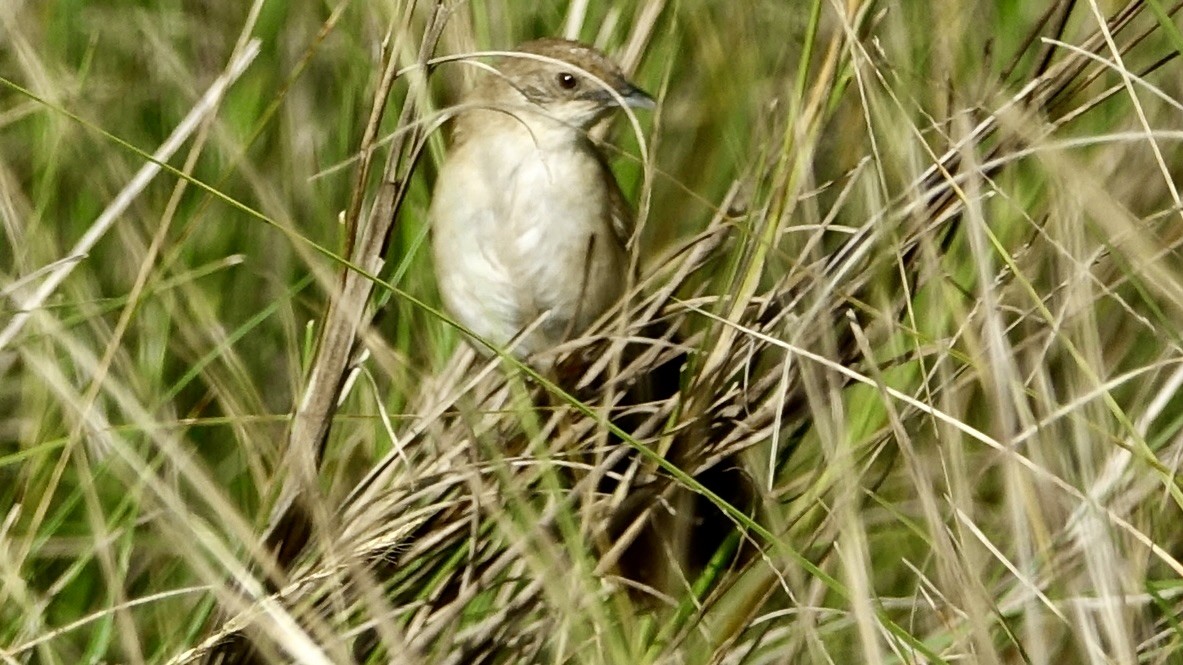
{"x": 529, "y": 252}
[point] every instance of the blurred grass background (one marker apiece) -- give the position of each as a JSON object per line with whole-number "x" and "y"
{"x": 1003, "y": 487}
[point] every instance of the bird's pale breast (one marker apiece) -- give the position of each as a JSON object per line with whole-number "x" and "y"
{"x": 523, "y": 230}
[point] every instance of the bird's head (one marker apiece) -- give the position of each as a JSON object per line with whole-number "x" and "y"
{"x": 569, "y": 82}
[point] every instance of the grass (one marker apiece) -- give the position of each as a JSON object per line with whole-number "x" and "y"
{"x": 924, "y": 258}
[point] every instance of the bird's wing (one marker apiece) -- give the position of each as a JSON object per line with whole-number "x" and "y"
{"x": 623, "y": 220}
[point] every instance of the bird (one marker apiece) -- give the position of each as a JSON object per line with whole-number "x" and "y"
{"x": 529, "y": 236}
{"x": 529, "y": 225}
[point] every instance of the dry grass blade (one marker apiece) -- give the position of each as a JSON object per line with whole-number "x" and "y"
{"x": 295, "y": 515}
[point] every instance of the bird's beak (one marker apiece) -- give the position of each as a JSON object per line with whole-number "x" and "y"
{"x": 637, "y": 98}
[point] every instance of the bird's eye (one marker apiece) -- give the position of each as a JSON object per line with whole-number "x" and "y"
{"x": 567, "y": 81}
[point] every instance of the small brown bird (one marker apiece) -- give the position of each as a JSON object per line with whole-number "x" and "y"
{"x": 529, "y": 223}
